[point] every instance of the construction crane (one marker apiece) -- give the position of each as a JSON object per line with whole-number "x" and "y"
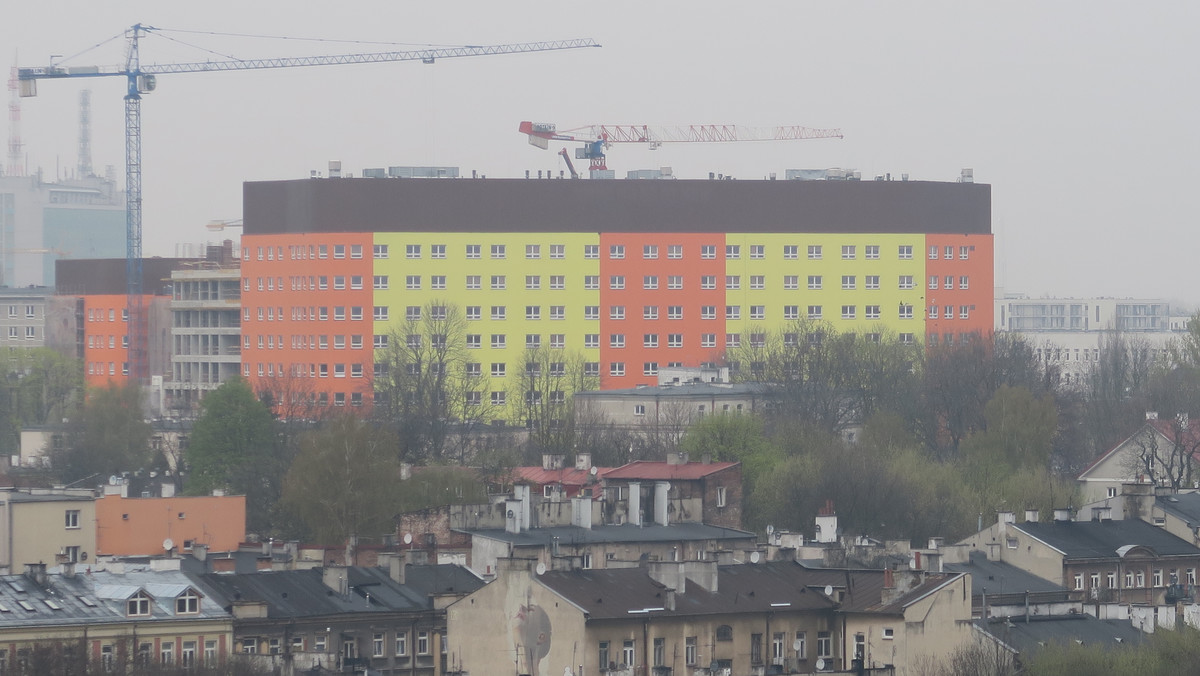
{"x": 597, "y": 137}
{"x": 143, "y": 79}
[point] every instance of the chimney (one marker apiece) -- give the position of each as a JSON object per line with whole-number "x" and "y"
{"x": 581, "y": 512}
{"x": 225, "y": 564}
{"x": 512, "y": 516}
{"x": 583, "y": 461}
{"x": 262, "y": 563}
{"x": 1102, "y": 514}
{"x": 552, "y": 462}
{"x": 1062, "y": 515}
{"x": 68, "y": 569}
{"x": 891, "y": 591}
{"x": 670, "y": 604}
{"x": 36, "y": 572}
{"x": 635, "y": 503}
{"x": 351, "y": 558}
{"x": 661, "y": 502}
{"x": 1002, "y": 521}
{"x": 334, "y": 577}
{"x": 936, "y": 543}
{"x": 1031, "y": 516}
{"x": 826, "y": 530}
{"x": 199, "y": 551}
{"x": 522, "y": 492}
{"x": 1151, "y": 415}
{"x": 398, "y": 567}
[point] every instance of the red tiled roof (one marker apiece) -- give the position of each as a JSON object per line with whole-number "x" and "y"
{"x": 567, "y": 476}
{"x": 647, "y": 469}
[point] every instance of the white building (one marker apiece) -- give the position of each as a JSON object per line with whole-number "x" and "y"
{"x": 205, "y": 328}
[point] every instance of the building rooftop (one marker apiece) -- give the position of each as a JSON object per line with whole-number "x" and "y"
{"x": 863, "y": 589}
{"x": 573, "y": 535}
{"x": 998, "y": 577}
{"x": 683, "y": 390}
{"x": 1185, "y": 506}
{"x": 516, "y": 205}
{"x": 1106, "y": 539}
{"x": 665, "y": 471}
{"x": 1039, "y": 631}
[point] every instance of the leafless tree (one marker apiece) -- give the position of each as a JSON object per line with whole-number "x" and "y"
{"x": 549, "y": 380}
{"x": 1167, "y": 458}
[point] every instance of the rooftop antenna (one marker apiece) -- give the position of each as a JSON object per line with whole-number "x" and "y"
{"x": 85, "y": 134}
{"x": 16, "y": 167}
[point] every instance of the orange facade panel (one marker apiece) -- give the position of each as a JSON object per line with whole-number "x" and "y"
{"x": 106, "y": 336}
{"x": 656, "y": 309}
{"x": 959, "y": 286}
{"x": 138, "y": 526}
{"x": 307, "y": 316}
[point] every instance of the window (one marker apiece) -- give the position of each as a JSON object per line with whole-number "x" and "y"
{"x": 498, "y": 251}
{"x": 616, "y": 340}
{"x": 356, "y": 251}
{"x": 591, "y": 340}
{"x": 724, "y": 633}
{"x": 906, "y": 282}
{"x": 733, "y": 312}
{"x": 847, "y": 282}
{"x": 138, "y": 604}
{"x": 733, "y": 282}
{"x": 708, "y": 282}
{"x": 339, "y": 250}
{"x": 602, "y": 655}
{"x": 616, "y": 312}
{"x": 674, "y": 340}
{"x": 733, "y": 251}
{"x": 801, "y": 645}
{"x": 660, "y": 652}
{"x": 1078, "y": 581}
{"x": 906, "y": 311}
{"x": 591, "y": 282}
{"x": 497, "y": 282}
{"x": 949, "y": 282}
{"x": 708, "y": 340}
{"x": 848, "y": 311}
{"x": 758, "y": 312}
{"x": 814, "y": 311}
{"x": 814, "y": 282}
{"x": 616, "y": 251}
{"x": 824, "y": 645}
{"x": 72, "y": 518}
{"x": 848, "y": 252}
{"x": 380, "y": 282}
{"x": 473, "y": 282}
{"x": 933, "y": 312}
{"x": 905, "y": 252}
{"x": 964, "y": 282}
{"x": 757, "y": 282}
{"x": 533, "y": 312}
{"x": 558, "y": 251}
{"x": 474, "y": 341}
{"x": 650, "y": 282}
{"x": 963, "y": 252}
{"x": 650, "y": 312}
{"x": 964, "y": 311}
{"x": 411, "y": 251}
{"x": 473, "y": 251}
{"x": 166, "y": 652}
{"x": 708, "y": 312}
{"x": 558, "y": 312}
{"x": 616, "y": 369}
{"x": 690, "y": 646}
{"x": 187, "y": 603}
{"x": 871, "y": 252}
{"x": 933, "y": 282}
{"x": 791, "y": 312}
{"x": 872, "y": 312}
{"x": 933, "y": 252}
{"x": 616, "y": 282}
{"x": 422, "y": 643}
{"x": 437, "y": 282}
{"x": 650, "y": 340}
{"x": 591, "y": 312}
{"x": 708, "y": 251}
{"x": 756, "y": 641}
{"x": 533, "y": 251}
{"x": 675, "y": 281}
{"x": 628, "y": 653}
{"x": 558, "y": 282}
{"x": 498, "y": 341}
{"x": 591, "y": 251}
{"x": 757, "y": 251}
{"x": 533, "y": 341}
{"x": 558, "y": 340}
{"x": 533, "y": 282}
{"x": 402, "y": 642}
{"x": 498, "y": 369}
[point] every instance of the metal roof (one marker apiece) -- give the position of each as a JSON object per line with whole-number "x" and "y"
{"x": 1040, "y": 631}
{"x": 651, "y": 470}
{"x": 1186, "y": 506}
{"x": 998, "y": 577}
{"x": 1103, "y": 539}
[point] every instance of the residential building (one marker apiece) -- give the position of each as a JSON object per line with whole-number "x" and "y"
{"x": 99, "y": 285}
{"x": 148, "y": 614}
{"x": 664, "y": 412}
{"x": 683, "y": 617}
{"x": 1114, "y": 561}
{"x": 23, "y": 314}
{"x": 46, "y": 526}
{"x": 44, "y": 222}
{"x": 1162, "y": 452}
{"x": 643, "y": 275}
{"x": 676, "y": 490}
{"x": 555, "y": 480}
{"x": 1072, "y": 333}
{"x": 205, "y": 328}
{"x": 140, "y": 526}
{"x": 388, "y": 620}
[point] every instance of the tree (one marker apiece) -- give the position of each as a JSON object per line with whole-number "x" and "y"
{"x": 109, "y": 435}
{"x": 343, "y": 482}
{"x": 234, "y": 447}
{"x": 549, "y": 380}
{"x": 40, "y": 387}
{"x": 1166, "y": 456}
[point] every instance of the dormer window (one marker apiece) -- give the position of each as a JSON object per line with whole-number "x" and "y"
{"x": 138, "y": 605}
{"x": 187, "y": 603}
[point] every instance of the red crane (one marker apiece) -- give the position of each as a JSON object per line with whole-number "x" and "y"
{"x": 597, "y": 137}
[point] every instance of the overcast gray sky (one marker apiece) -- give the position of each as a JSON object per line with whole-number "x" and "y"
{"x": 1081, "y": 115}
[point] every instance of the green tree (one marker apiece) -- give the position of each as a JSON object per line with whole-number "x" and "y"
{"x": 39, "y": 387}
{"x": 234, "y": 447}
{"x": 343, "y": 482}
{"x": 108, "y": 436}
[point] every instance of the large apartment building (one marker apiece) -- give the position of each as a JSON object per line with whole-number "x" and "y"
{"x": 632, "y": 275}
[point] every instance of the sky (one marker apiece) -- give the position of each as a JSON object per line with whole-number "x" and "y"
{"x": 1081, "y": 115}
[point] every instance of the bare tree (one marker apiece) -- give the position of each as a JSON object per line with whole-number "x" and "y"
{"x": 549, "y": 381}
{"x": 1167, "y": 458}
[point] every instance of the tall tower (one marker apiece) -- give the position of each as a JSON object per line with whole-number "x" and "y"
{"x": 85, "y": 133}
{"x": 16, "y": 164}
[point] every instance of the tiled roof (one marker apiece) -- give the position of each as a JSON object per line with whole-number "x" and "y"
{"x": 1102, "y": 539}
{"x": 568, "y": 476}
{"x": 652, "y": 470}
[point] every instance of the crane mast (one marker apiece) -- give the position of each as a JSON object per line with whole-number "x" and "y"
{"x": 142, "y": 79}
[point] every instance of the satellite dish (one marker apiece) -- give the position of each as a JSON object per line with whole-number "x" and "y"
{"x": 408, "y": 538}
{"x": 797, "y": 645}
{"x": 511, "y": 514}
{"x": 821, "y": 664}
{"x": 593, "y": 470}
{"x": 168, "y": 544}
{"x": 754, "y": 557}
{"x": 770, "y": 529}
{"x": 112, "y": 480}
{"x": 540, "y": 569}
{"x": 829, "y": 590}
